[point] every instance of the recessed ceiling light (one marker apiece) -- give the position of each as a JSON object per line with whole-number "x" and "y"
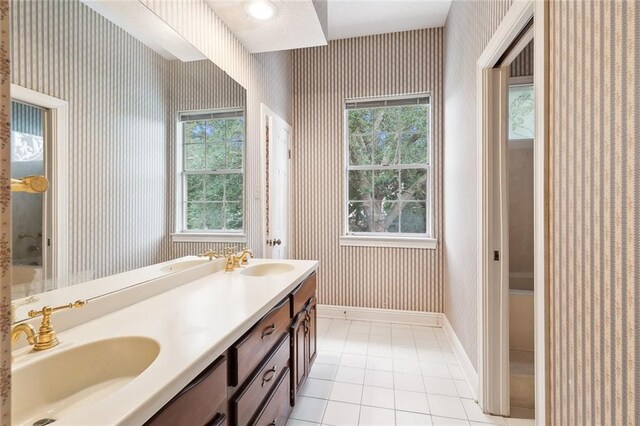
{"x": 260, "y": 9}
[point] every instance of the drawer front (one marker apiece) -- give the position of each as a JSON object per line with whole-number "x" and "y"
{"x": 249, "y": 351}
{"x": 245, "y": 404}
{"x": 219, "y": 420}
{"x": 200, "y": 403}
{"x": 301, "y": 295}
{"x": 276, "y": 411}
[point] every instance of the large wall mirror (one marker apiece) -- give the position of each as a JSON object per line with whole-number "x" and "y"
{"x": 137, "y": 135}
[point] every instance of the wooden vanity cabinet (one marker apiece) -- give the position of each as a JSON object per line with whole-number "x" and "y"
{"x": 303, "y": 332}
{"x": 265, "y": 369}
{"x": 203, "y": 402}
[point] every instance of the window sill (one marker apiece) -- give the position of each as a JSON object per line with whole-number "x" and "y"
{"x": 396, "y": 242}
{"x": 185, "y": 237}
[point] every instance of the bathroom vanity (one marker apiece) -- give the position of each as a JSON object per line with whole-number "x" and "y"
{"x": 224, "y": 348}
{"x": 256, "y": 380}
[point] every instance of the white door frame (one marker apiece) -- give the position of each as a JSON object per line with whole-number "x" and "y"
{"x": 59, "y": 190}
{"x": 265, "y": 114}
{"x": 492, "y": 393}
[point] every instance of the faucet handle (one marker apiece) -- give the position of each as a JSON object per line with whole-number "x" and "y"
{"x": 211, "y": 254}
{"x": 47, "y": 337}
{"x": 46, "y": 311}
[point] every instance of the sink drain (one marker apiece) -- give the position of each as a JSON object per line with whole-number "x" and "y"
{"x": 43, "y": 422}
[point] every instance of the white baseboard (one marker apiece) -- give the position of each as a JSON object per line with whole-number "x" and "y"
{"x": 433, "y": 319}
{"x": 465, "y": 363}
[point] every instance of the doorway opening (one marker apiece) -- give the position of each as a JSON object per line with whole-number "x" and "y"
{"x": 519, "y": 183}
{"x": 30, "y": 211}
{"x": 39, "y": 145}
{"x": 512, "y": 312}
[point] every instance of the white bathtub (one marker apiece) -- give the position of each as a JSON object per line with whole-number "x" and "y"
{"x": 521, "y": 320}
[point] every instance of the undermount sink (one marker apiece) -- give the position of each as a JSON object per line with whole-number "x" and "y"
{"x": 51, "y": 387}
{"x": 265, "y": 269}
{"x": 183, "y": 265}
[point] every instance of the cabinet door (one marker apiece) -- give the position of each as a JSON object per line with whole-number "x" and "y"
{"x": 298, "y": 353}
{"x": 311, "y": 333}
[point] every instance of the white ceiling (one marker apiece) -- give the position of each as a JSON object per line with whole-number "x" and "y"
{"x": 355, "y": 18}
{"x": 299, "y": 23}
{"x": 295, "y": 25}
{"x": 136, "y": 19}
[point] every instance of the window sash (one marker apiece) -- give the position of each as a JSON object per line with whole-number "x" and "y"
{"x": 224, "y": 202}
{"x": 427, "y": 166}
{"x": 182, "y": 198}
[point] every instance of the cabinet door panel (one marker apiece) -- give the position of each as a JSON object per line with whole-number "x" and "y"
{"x": 298, "y": 354}
{"x": 312, "y": 333}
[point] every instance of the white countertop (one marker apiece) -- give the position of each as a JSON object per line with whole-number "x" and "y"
{"x": 194, "y": 324}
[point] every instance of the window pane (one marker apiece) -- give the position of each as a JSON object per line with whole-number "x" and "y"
{"x": 234, "y": 216}
{"x": 195, "y": 187}
{"x": 233, "y": 187}
{"x": 360, "y": 149}
{"x": 214, "y": 188}
{"x": 386, "y": 185}
{"x": 414, "y": 118}
{"x": 214, "y": 215}
{"x": 414, "y": 148}
{"x": 394, "y": 137}
{"x": 234, "y": 154}
{"x": 521, "y": 112}
{"x": 195, "y": 132}
{"x": 234, "y": 129}
{"x": 360, "y": 185}
{"x": 194, "y": 157}
{"x": 386, "y": 120}
{"x": 385, "y": 149}
{"x": 215, "y": 131}
{"x": 360, "y": 217}
{"x": 215, "y": 156}
{"x": 195, "y": 216}
{"x": 386, "y": 216}
{"x": 413, "y": 184}
{"x": 360, "y": 121}
{"x": 414, "y": 217}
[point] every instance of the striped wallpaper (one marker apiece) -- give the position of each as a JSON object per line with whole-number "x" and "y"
{"x": 193, "y": 86}
{"x": 469, "y": 27}
{"x": 522, "y": 65}
{"x": 594, "y": 247}
{"x": 391, "y": 64}
{"x": 266, "y": 77}
{"x": 117, "y": 155}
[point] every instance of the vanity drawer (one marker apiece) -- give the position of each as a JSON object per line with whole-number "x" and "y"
{"x": 277, "y": 409}
{"x": 246, "y": 403}
{"x": 249, "y": 351}
{"x": 301, "y": 295}
{"x": 201, "y": 402}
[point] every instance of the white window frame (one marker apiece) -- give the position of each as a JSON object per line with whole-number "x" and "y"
{"x": 373, "y": 239}
{"x": 215, "y": 236}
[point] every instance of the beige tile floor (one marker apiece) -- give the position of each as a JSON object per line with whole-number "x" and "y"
{"x": 371, "y": 373}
